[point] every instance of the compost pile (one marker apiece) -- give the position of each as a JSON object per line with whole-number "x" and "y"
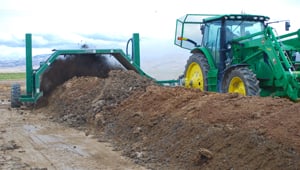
{"x": 177, "y": 128}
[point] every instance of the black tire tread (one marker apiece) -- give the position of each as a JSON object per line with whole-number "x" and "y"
{"x": 15, "y": 95}
{"x": 203, "y": 63}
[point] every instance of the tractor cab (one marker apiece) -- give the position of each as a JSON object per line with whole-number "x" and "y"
{"x": 219, "y": 33}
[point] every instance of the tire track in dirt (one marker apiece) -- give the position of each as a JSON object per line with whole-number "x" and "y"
{"x": 40, "y": 143}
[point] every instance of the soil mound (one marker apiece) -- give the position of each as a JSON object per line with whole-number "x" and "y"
{"x": 178, "y": 128}
{"x": 79, "y": 101}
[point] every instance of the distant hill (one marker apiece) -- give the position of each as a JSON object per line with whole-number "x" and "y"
{"x": 19, "y": 64}
{"x": 22, "y": 61}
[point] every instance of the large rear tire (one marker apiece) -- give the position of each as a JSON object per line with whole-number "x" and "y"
{"x": 241, "y": 80}
{"x": 15, "y": 96}
{"x": 195, "y": 75}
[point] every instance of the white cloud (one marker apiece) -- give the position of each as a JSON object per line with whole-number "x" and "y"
{"x": 71, "y": 21}
{"x": 154, "y": 18}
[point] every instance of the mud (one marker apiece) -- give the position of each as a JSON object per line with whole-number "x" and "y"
{"x": 177, "y": 128}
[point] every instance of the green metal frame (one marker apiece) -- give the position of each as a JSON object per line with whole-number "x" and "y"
{"x": 33, "y": 92}
{"x": 188, "y": 19}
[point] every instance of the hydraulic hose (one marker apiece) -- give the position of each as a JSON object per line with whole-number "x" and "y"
{"x": 130, "y": 40}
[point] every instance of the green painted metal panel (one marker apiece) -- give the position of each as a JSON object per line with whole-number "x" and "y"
{"x": 212, "y": 78}
{"x": 212, "y": 75}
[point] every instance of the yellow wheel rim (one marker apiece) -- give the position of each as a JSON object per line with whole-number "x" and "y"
{"x": 237, "y": 85}
{"x": 194, "y": 77}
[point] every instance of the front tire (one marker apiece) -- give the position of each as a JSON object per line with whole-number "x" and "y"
{"x": 15, "y": 96}
{"x": 241, "y": 80}
{"x": 195, "y": 75}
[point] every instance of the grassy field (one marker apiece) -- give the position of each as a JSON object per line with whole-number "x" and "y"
{"x": 12, "y": 76}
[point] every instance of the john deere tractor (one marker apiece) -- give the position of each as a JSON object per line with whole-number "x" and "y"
{"x": 239, "y": 53}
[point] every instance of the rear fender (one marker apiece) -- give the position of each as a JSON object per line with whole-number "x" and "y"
{"x": 207, "y": 54}
{"x": 227, "y": 70}
{"x": 212, "y": 76}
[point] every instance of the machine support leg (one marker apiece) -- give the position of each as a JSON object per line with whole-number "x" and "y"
{"x": 136, "y": 48}
{"x": 29, "y": 81}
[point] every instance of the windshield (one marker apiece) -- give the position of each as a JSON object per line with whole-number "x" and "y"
{"x": 243, "y": 28}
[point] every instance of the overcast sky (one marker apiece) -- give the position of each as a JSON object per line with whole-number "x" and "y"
{"x": 109, "y": 24}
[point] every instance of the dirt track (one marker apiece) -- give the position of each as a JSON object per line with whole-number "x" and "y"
{"x": 30, "y": 140}
{"x": 176, "y": 128}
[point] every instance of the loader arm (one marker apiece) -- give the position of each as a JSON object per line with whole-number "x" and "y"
{"x": 270, "y": 60}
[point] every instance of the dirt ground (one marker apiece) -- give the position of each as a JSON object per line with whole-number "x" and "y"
{"x": 152, "y": 127}
{"x": 29, "y": 140}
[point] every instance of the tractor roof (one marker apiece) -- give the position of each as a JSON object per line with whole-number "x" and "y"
{"x": 247, "y": 17}
{"x": 204, "y": 18}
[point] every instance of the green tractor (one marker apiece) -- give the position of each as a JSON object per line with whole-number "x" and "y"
{"x": 239, "y": 53}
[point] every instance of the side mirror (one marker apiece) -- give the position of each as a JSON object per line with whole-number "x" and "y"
{"x": 287, "y": 25}
{"x": 202, "y": 27}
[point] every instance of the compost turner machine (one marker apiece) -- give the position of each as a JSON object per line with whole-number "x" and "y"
{"x": 64, "y": 64}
